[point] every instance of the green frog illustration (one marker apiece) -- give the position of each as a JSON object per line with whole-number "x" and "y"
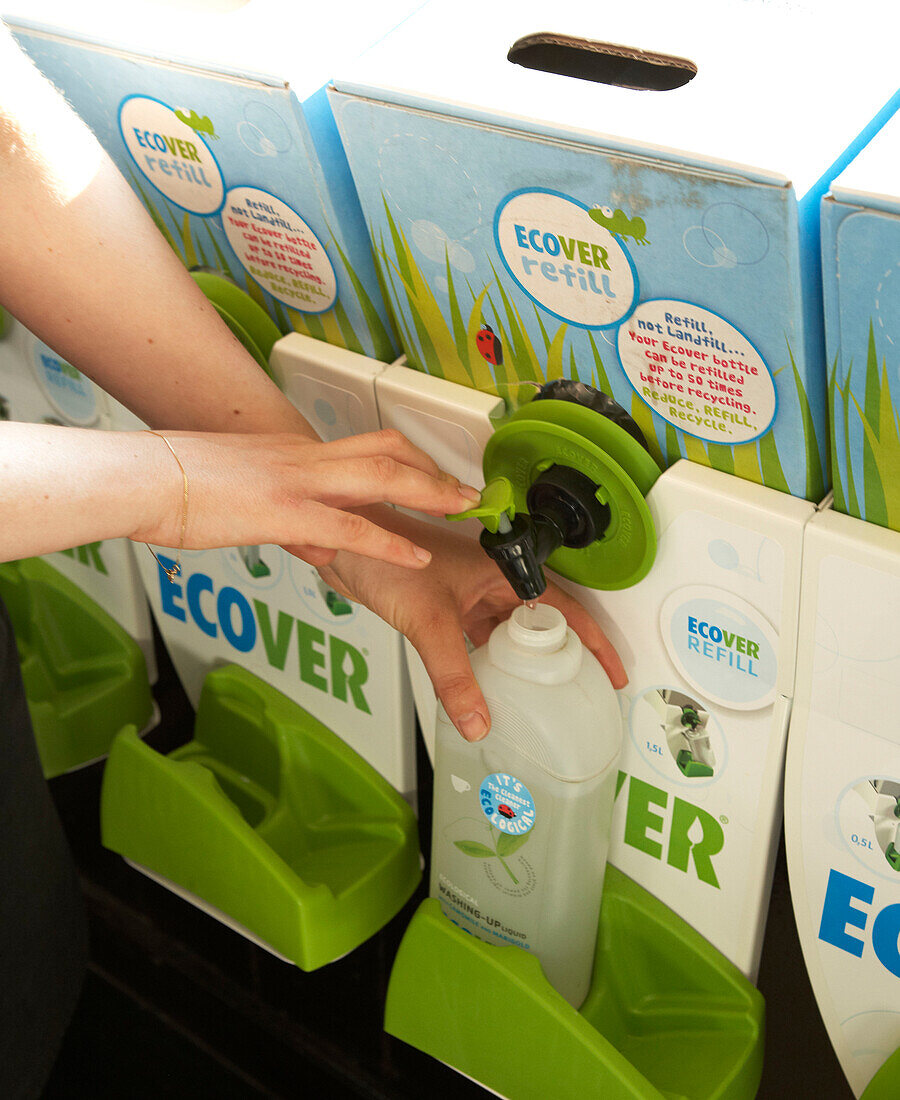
{"x": 197, "y": 124}
{"x": 619, "y": 224}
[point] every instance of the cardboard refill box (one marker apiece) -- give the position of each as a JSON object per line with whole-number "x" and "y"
{"x": 861, "y": 278}
{"x": 651, "y": 228}
{"x": 220, "y": 122}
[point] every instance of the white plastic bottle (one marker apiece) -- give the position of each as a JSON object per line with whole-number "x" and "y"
{"x": 522, "y": 818}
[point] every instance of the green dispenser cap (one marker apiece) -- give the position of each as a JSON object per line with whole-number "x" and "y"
{"x": 550, "y": 432}
{"x": 267, "y": 818}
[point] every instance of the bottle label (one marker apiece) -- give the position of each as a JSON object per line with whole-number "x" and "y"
{"x": 507, "y": 803}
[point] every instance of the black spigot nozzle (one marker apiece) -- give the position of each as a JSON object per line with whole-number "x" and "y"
{"x": 563, "y": 510}
{"x": 521, "y": 551}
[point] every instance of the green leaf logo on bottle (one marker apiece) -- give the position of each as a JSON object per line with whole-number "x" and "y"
{"x": 506, "y": 845}
{"x": 507, "y": 804}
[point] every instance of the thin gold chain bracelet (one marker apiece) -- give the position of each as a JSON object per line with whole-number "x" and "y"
{"x": 174, "y": 570}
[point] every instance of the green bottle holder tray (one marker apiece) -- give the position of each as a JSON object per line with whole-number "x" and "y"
{"x": 667, "y": 1016}
{"x": 885, "y": 1085}
{"x": 266, "y": 819}
{"x": 85, "y": 677}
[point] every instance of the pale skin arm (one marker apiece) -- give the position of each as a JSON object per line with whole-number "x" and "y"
{"x": 65, "y": 486}
{"x": 83, "y": 266}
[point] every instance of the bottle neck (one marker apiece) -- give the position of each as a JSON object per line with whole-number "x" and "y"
{"x": 536, "y": 645}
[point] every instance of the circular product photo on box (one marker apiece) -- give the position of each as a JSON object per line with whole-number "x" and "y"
{"x": 678, "y": 736}
{"x": 868, "y": 813}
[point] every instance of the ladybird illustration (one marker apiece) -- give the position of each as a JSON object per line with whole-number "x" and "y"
{"x": 507, "y": 811}
{"x": 489, "y": 345}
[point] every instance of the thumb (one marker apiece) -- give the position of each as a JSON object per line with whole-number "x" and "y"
{"x": 442, "y": 648}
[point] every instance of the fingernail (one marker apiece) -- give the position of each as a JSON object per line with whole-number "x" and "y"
{"x": 470, "y": 493}
{"x": 472, "y": 726}
{"x": 422, "y": 554}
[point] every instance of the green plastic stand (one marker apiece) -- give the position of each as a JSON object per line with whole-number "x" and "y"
{"x": 885, "y": 1085}
{"x": 667, "y": 1016}
{"x": 267, "y": 818}
{"x": 85, "y": 677}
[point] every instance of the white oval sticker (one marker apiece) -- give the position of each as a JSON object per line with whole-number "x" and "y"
{"x": 564, "y": 260}
{"x": 279, "y": 249}
{"x": 721, "y": 645}
{"x": 697, "y": 371}
{"x": 168, "y": 148}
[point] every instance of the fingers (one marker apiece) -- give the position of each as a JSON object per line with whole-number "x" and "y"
{"x": 388, "y": 442}
{"x": 442, "y": 647}
{"x": 590, "y": 634}
{"x": 351, "y": 482}
{"x": 336, "y": 530}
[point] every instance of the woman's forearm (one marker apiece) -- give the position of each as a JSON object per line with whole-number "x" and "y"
{"x": 83, "y": 266}
{"x": 62, "y": 487}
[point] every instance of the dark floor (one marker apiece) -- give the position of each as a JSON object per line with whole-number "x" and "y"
{"x": 175, "y": 1005}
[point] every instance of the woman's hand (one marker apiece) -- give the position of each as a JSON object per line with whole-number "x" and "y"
{"x": 461, "y": 592}
{"x": 62, "y": 487}
{"x": 249, "y": 489}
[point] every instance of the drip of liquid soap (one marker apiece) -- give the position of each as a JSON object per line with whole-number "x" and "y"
{"x": 529, "y": 619}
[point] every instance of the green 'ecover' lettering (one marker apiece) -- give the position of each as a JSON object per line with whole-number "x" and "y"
{"x": 681, "y": 848}
{"x": 276, "y": 646}
{"x": 639, "y": 818}
{"x": 89, "y": 554}
{"x": 342, "y": 681}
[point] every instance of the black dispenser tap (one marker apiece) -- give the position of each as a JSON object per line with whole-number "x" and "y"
{"x": 563, "y": 510}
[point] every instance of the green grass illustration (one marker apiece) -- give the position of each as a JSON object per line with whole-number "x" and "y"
{"x": 447, "y": 348}
{"x": 837, "y": 479}
{"x": 434, "y": 339}
{"x": 872, "y": 466}
{"x": 817, "y": 477}
{"x": 845, "y": 497}
{"x": 881, "y": 444}
{"x": 878, "y": 438}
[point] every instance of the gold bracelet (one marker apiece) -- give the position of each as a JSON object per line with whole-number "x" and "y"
{"x": 175, "y": 570}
